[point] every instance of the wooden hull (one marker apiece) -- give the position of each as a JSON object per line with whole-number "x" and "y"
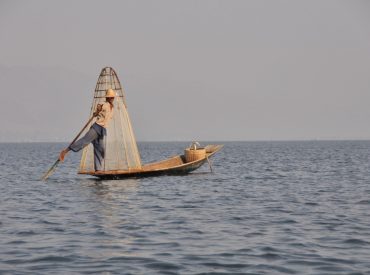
{"x": 172, "y": 166}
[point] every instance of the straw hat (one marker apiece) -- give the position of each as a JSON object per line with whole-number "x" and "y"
{"x": 110, "y": 93}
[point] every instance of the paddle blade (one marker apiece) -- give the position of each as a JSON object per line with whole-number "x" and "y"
{"x": 50, "y": 171}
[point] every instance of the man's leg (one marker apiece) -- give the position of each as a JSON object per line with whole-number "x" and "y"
{"x": 99, "y": 153}
{"x": 90, "y": 136}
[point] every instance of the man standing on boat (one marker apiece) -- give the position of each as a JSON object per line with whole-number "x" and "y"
{"x": 97, "y": 132}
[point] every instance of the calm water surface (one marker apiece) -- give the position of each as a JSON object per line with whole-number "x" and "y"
{"x": 268, "y": 208}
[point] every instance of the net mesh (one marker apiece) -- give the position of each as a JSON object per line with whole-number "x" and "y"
{"x": 121, "y": 152}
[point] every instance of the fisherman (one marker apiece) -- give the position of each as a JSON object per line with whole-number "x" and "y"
{"x": 97, "y": 132}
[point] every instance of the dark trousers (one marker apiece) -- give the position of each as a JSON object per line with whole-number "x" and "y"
{"x": 95, "y": 135}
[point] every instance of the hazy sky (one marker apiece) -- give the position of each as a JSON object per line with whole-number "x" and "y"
{"x": 192, "y": 70}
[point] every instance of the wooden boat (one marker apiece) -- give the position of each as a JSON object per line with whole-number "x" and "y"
{"x": 176, "y": 165}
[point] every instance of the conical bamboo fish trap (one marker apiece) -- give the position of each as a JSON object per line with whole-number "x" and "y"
{"x": 121, "y": 152}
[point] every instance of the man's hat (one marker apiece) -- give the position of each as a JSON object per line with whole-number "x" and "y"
{"x": 110, "y": 93}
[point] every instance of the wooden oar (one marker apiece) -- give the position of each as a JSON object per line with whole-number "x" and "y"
{"x": 52, "y": 168}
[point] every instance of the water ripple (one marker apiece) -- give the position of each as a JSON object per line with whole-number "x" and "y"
{"x": 269, "y": 208}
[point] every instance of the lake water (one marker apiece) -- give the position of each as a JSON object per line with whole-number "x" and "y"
{"x": 268, "y": 208}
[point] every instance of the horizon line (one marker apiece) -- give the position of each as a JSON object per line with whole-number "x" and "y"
{"x": 229, "y": 140}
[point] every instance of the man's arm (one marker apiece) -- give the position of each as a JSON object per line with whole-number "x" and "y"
{"x": 99, "y": 107}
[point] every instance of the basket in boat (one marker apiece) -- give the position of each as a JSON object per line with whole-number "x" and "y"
{"x": 194, "y": 154}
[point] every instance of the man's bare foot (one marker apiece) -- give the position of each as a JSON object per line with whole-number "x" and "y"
{"x": 63, "y": 154}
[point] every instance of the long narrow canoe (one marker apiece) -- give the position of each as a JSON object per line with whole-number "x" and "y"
{"x": 172, "y": 166}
